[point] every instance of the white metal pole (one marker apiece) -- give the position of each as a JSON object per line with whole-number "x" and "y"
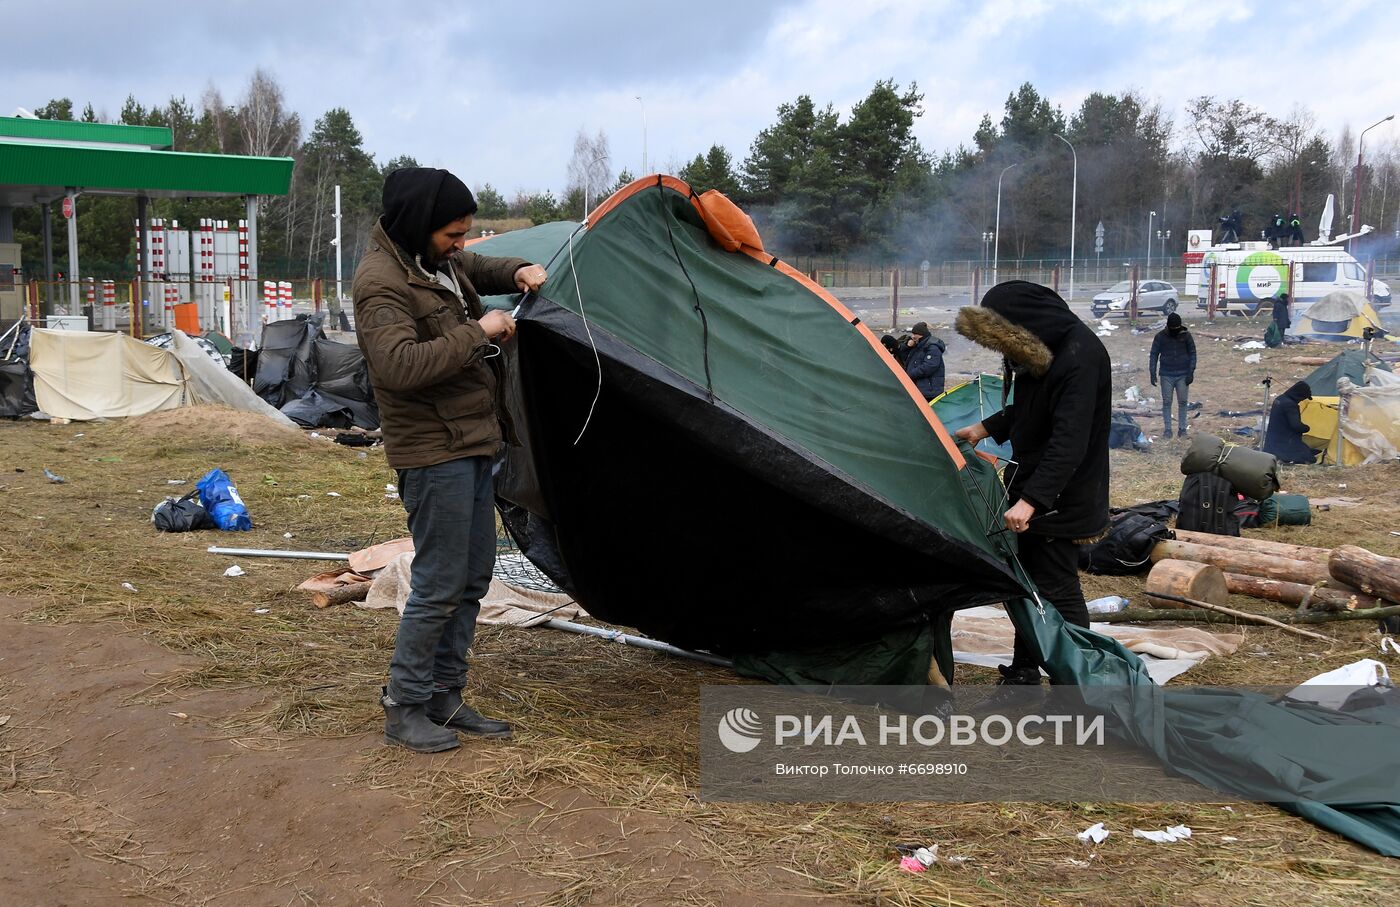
{"x": 996, "y": 235}
{"x": 645, "y": 171}
{"x": 1073, "y": 206}
{"x": 339, "y": 293}
{"x": 73, "y": 306}
{"x": 1150, "y": 215}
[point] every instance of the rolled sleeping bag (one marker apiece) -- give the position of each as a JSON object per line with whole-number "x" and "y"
{"x": 1253, "y": 473}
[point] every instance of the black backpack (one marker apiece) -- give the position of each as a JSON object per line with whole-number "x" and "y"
{"x": 181, "y": 514}
{"x": 1127, "y": 549}
{"x": 1209, "y": 504}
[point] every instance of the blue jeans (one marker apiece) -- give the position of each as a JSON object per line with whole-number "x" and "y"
{"x": 451, "y": 515}
{"x": 1169, "y": 384}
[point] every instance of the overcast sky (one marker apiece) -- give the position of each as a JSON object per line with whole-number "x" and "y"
{"x": 496, "y": 92}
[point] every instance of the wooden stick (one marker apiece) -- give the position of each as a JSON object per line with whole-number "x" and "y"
{"x": 350, "y": 592}
{"x": 1258, "y": 546}
{"x": 1186, "y": 615}
{"x": 1248, "y": 562}
{"x": 1242, "y": 615}
{"x": 1333, "y": 596}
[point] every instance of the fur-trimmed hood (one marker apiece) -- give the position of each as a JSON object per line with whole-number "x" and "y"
{"x": 986, "y": 328}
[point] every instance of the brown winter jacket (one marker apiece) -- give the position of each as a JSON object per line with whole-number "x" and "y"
{"x": 436, "y": 390}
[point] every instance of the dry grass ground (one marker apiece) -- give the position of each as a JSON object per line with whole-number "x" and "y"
{"x": 608, "y": 733}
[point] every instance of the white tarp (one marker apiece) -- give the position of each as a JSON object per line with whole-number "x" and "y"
{"x": 91, "y": 375}
{"x": 1372, "y": 423}
{"x": 208, "y": 382}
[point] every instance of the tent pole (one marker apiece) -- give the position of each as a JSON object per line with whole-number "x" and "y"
{"x": 640, "y": 642}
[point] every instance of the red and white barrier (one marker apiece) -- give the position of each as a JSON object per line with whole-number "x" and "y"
{"x": 90, "y": 292}
{"x": 269, "y": 301}
{"x": 109, "y": 305}
{"x": 284, "y": 292}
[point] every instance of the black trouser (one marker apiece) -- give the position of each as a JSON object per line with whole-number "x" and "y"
{"x": 1053, "y": 564}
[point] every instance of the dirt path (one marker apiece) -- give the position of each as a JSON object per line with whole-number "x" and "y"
{"x": 109, "y": 796}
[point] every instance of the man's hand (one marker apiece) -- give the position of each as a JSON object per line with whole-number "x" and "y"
{"x": 1153, "y": 379}
{"x": 498, "y": 324}
{"x": 1018, "y": 518}
{"x": 1189, "y": 379}
{"x": 972, "y": 433}
{"x": 530, "y": 278}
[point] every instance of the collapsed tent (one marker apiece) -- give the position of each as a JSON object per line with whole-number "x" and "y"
{"x": 969, "y": 403}
{"x": 91, "y": 375}
{"x": 715, "y": 450}
{"x": 1371, "y": 428}
{"x": 1338, "y": 316}
{"x": 315, "y": 381}
{"x": 16, "y": 380}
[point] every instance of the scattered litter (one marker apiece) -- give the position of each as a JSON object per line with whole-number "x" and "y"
{"x": 220, "y": 497}
{"x": 315, "y": 434}
{"x": 1332, "y": 688}
{"x": 59, "y": 420}
{"x": 391, "y": 487}
{"x": 303, "y": 497}
{"x": 261, "y": 610}
{"x": 54, "y": 479}
{"x": 235, "y": 570}
{"x": 286, "y": 535}
{"x": 79, "y": 434}
{"x": 1170, "y": 836}
{"x": 4, "y": 720}
{"x": 1095, "y": 833}
{"x": 176, "y": 481}
{"x": 1250, "y": 345}
{"x": 1109, "y": 604}
{"x": 1252, "y": 358}
{"x": 1132, "y": 393}
{"x": 1229, "y": 839}
{"x": 1082, "y": 864}
{"x": 181, "y": 715}
{"x": 909, "y": 864}
{"x": 927, "y": 855}
{"x": 1342, "y": 485}
{"x": 130, "y": 588}
{"x": 332, "y": 494}
{"x": 956, "y": 861}
{"x": 1228, "y": 809}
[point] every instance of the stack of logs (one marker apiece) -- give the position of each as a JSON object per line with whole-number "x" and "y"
{"x": 1200, "y": 569}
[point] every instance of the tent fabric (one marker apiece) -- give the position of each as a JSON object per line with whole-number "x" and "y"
{"x": 91, "y": 375}
{"x": 969, "y": 403}
{"x": 1349, "y": 364}
{"x": 781, "y": 493}
{"x": 1371, "y": 430}
{"x": 207, "y": 382}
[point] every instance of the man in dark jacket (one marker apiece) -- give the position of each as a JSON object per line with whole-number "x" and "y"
{"x": 430, "y": 347}
{"x": 1058, "y": 429}
{"x": 1174, "y": 352}
{"x": 1284, "y": 436}
{"x": 924, "y": 361}
{"x": 1281, "y": 316}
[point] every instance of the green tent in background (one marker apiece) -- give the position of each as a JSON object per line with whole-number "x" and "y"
{"x": 716, "y": 451}
{"x": 1349, "y": 364}
{"x": 969, "y": 403}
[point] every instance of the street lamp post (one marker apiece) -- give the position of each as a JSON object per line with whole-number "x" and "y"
{"x": 1162, "y": 237}
{"x": 645, "y": 172}
{"x": 996, "y": 233}
{"x": 1073, "y": 205}
{"x": 339, "y": 290}
{"x": 1150, "y": 215}
{"x": 1356, "y": 200}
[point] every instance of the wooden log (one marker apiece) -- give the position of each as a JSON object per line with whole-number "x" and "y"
{"x": 1245, "y": 616}
{"x": 1371, "y": 573}
{"x": 1187, "y": 579}
{"x": 1234, "y": 561}
{"x": 1309, "y": 360}
{"x": 1331, "y": 597}
{"x": 350, "y": 592}
{"x": 1258, "y": 546}
{"x": 1187, "y": 615}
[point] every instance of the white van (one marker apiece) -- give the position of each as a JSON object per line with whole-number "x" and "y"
{"x": 1252, "y": 274}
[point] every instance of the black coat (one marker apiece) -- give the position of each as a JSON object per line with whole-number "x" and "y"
{"x": 1059, "y": 424}
{"x": 1281, "y": 315}
{"x": 924, "y": 363}
{"x": 1173, "y": 354}
{"x": 1284, "y": 436}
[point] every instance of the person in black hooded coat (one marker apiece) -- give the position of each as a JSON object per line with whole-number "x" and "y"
{"x": 1284, "y": 436}
{"x": 1058, "y": 428}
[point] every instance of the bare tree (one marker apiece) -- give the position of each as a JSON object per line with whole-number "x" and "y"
{"x": 590, "y": 168}
{"x": 1233, "y": 129}
{"x": 267, "y": 127}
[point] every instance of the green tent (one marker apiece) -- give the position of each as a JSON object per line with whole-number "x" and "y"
{"x": 969, "y": 403}
{"x": 716, "y": 451}
{"x": 1349, "y": 364}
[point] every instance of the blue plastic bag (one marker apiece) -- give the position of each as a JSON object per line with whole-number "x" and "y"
{"x": 219, "y": 496}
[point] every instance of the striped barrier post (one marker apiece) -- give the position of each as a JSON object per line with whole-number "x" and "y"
{"x": 109, "y": 305}
{"x": 90, "y": 294}
{"x": 269, "y": 301}
{"x": 284, "y": 290}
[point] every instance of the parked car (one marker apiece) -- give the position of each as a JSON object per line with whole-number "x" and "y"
{"x": 1153, "y": 296}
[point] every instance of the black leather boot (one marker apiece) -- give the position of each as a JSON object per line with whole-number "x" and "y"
{"x": 447, "y": 709}
{"x": 407, "y": 725}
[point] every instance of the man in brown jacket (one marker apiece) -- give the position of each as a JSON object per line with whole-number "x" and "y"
{"x": 430, "y": 346}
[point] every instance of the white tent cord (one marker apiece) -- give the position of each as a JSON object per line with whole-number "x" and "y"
{"x": 578, "y": 290}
